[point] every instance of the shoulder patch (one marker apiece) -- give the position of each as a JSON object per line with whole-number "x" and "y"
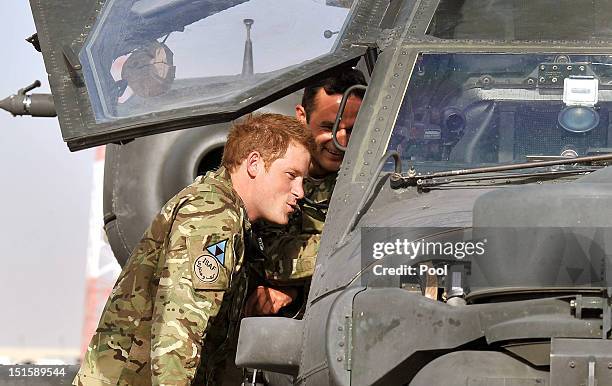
{"x": 218, "y": 251}
{"x": 206, "y": 264}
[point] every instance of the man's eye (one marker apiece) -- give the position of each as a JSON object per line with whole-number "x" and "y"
{"x": 291, "y": 175}
{"x": 327, "y": 128}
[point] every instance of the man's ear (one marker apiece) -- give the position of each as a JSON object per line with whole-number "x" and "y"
{"x": 300, "y": 114}
{"x": 254, "y": 164}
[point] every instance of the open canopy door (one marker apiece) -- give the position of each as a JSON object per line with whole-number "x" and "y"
{"x": 130, "y": 68}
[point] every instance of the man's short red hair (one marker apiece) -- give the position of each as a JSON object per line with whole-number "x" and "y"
{"x": 268, "y": 134}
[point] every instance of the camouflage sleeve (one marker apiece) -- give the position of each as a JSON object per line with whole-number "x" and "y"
{"x": 291, "y": 249}
{"x": 196, "y": 272}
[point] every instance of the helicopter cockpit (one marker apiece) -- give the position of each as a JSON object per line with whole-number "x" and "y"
{"x": 489, "y": 106}
{"x": 464, "y": 110}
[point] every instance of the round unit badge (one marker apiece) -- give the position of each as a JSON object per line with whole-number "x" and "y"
{"x": 206, "y": 268}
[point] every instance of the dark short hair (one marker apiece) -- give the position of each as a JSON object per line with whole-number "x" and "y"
{"x": 269, "y": 134}
{"x": 337, "y": 82}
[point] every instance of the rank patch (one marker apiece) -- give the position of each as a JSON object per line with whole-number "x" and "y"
{"x": 218, "y": 251}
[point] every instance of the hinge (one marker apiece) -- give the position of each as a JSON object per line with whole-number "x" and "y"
{"x": 71, "y": 57}
{"x": 348, "y": 342}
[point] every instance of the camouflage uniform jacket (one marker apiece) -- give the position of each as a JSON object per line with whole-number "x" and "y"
{"x": 292, "y": 249}
{"x": 185, "y": 273}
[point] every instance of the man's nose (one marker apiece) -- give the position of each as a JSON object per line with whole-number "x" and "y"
{"x": 298, "y": 188}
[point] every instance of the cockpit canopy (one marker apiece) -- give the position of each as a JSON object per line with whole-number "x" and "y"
{"x": 149, "y": 56}
{"x": 121, "y": 69}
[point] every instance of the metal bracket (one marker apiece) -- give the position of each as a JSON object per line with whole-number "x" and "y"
{"x": 71, "y": 57}
{"x": 585, "y": 303}
{"x": 348, "y": 342}
{"x": 586, "y": 362}
{"x": 339, "y": 342}
{"x": 591, "y": 376}
{"x": 33, "y": 40}
{"x": 582, "y": 303}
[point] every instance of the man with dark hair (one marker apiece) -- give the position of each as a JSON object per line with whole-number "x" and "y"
{"x": 318, "y": 111}
{"x": 292, "y": 249}
{"x": 179, "y": 298}
{"x": 337, "y": 83}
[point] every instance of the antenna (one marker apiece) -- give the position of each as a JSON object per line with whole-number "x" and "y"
{"x": 247, "y": 61}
